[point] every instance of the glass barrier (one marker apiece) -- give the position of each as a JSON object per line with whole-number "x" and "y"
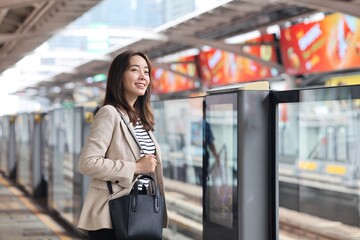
{"x": 318, "y": 155}
{"x": 178, "y": 129}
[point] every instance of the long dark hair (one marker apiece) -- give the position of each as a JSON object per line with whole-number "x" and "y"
{"x": 115, "y": 96}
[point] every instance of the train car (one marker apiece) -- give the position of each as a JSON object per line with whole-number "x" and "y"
{"x": 29, "y": 143}
{"x": 66, "y": 130}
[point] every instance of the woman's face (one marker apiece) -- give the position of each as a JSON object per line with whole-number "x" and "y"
{"x": 136, "y": 79}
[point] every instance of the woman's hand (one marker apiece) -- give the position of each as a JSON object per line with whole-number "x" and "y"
{"x": 146, "y": 165}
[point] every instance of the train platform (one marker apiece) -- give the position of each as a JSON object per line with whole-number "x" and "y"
{"x": 22, "y": 217}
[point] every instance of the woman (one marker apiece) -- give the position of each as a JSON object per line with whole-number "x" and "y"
{"x": 110, "y": 152}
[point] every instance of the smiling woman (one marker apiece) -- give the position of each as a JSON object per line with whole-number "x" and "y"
{"x": 136, "y": 78}
{"x": 110, "y": 154}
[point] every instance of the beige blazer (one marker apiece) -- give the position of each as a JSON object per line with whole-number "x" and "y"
{"x": 109, "y": 154}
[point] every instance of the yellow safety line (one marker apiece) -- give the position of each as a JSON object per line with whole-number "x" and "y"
{"x": 48, "y": 221}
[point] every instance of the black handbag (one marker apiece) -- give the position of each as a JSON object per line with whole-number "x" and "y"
{"x": 138, "y": 216}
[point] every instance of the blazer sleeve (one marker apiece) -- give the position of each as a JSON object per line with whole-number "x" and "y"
{"x": 93, "y": 161}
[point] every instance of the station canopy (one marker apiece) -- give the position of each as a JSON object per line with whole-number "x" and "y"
{"x": 26, "y": 25}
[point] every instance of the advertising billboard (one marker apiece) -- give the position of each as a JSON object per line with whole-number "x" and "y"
{"x": 327, "y": 45}
{"x": 165, "y": 81}
{"x": 220, "y": 67}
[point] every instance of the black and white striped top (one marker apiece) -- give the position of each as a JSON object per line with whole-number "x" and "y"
{"x": 146, "y": 143}
{"x": 147, "y": 147}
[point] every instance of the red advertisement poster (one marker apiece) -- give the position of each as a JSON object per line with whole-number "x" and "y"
{"x": 185, "y": 65}
{"x": 220, "y": 67}
{"x": 328, "y": 45}
{"x": 168, "y": 82}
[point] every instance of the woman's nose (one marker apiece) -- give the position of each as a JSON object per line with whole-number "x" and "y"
{"x": 142, "y": 75}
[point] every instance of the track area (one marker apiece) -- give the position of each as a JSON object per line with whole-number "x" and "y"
{"x": 295, "y": 225}
{"x": 332, "y": 205}
{"x": 22, "y": 218}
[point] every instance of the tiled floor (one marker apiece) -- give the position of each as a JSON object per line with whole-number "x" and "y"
{"x": 21, "y": 218}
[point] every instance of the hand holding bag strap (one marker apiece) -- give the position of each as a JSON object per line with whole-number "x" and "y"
{"x": 135, "y": 194}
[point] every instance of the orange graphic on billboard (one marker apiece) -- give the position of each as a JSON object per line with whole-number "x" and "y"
{"x": 220, "y": 67}
{"x": 327, "y": 45}
{"x": 164, "y": 81}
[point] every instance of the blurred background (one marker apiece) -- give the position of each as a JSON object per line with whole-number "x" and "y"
{"x": 281, "y": 161}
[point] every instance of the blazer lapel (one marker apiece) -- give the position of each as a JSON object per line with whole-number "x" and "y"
{"x": 128, "y": 130}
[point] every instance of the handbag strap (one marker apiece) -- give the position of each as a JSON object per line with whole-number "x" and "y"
{"x": 109, "y": 187}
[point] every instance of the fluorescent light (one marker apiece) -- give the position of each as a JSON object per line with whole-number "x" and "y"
{"x": 274, "y": 29}
{"x": 243, "y": 37}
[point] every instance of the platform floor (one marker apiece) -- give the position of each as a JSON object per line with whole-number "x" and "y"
{"x": 21, "y": 217}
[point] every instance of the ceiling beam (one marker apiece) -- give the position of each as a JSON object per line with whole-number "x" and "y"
{"x": 29, "y": 22}
{"x": 345, "y": 7}
{"x": 243, "y": 8}
{"x": 5, "y": 37}
{"x": 17, "y": 3}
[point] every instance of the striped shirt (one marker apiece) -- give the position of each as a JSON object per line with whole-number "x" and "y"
{"x": 146, "y": 143}
{"x": 147, "y": 147}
